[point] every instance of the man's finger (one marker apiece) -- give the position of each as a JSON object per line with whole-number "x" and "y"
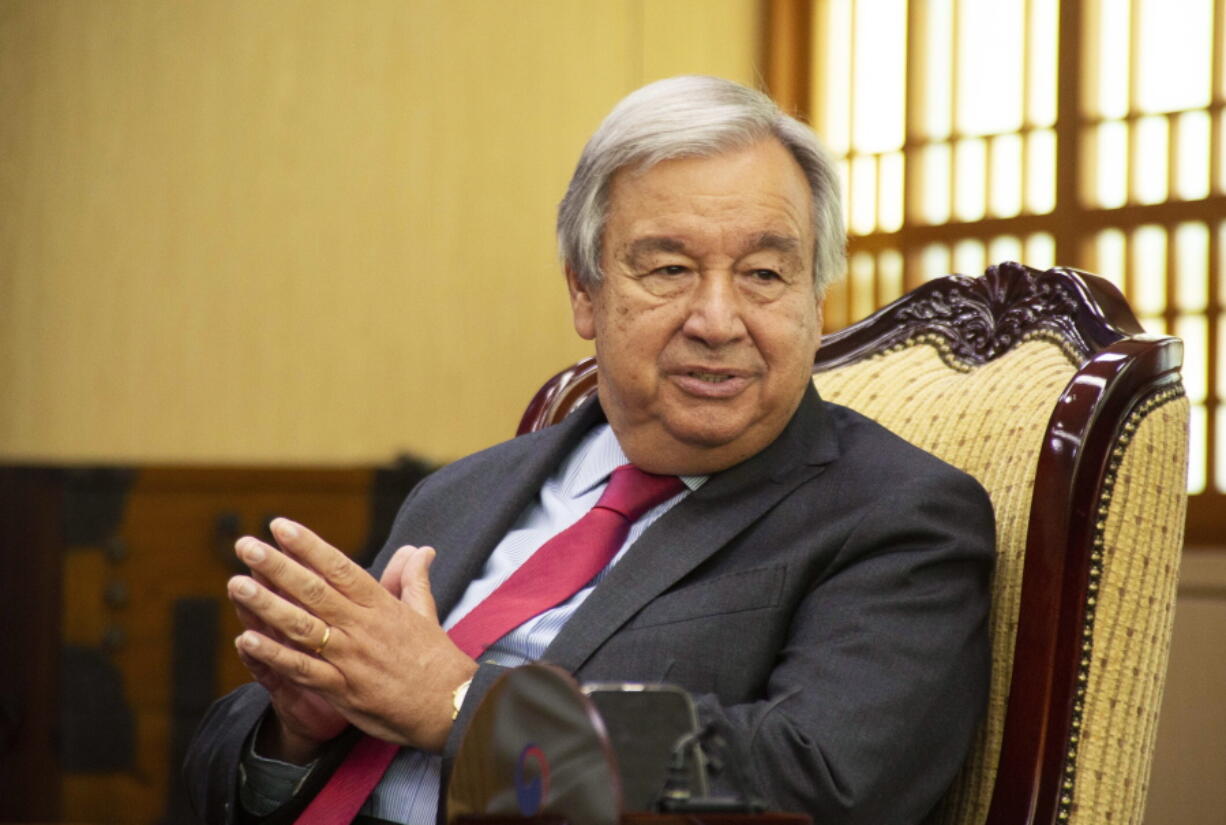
{"x": 415, "y": 582}
{"x": 275, "y": 613}
{"x": 333, "y": 566}
{"x": 285, "y": 662}
{"x": 292, "y": 581}
{"x": 258, "y": 670}
{"x": 391, "y": 574}
{"x": 250, "y": 620}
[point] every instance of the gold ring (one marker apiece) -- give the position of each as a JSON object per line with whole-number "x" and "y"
{"x": 319, "y": 648}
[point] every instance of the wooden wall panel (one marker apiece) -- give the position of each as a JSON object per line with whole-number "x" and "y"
{"x": 174, "y": 538}
{"x": 301, "y": 231}
{"x": 30, "y": 590}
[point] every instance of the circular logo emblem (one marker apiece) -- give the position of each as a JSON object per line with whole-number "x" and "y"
{"x": 531, "y": 779}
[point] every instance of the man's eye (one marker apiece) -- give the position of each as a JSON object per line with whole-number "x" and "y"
{"x": 764, "y": 275}
{"x": 672, "y": 269}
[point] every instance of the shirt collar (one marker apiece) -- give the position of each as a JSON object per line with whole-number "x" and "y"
{"x": 595, "y": 459}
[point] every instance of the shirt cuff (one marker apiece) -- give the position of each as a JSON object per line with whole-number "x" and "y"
{"x": 265, "y": 784}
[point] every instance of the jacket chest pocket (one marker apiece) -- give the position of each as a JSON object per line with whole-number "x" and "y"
{"x": 724, "y": 595}
{"x": 717, "y": 636}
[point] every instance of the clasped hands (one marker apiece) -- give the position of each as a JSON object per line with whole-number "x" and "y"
{"x": 388, "y": 667}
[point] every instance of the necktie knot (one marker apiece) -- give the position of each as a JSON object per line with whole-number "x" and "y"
{"x": 631, "y": 492}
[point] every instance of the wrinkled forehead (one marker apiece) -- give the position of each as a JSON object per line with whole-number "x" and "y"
{"x": 786, "y": 245}
{"x": 757, "y": 197}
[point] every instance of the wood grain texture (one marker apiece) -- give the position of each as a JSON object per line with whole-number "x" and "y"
{"x": 174, "y": 551}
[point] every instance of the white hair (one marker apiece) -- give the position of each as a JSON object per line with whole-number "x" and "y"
{"x": 692, "y": 116}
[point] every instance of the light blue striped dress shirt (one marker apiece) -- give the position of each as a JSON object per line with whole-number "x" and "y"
{"x": 409, "y": 791}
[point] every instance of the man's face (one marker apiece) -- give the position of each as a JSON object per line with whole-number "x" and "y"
{"x": 707, "y": 320}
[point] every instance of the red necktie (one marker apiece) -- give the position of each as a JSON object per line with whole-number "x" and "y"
{"x": 550, "y": 576}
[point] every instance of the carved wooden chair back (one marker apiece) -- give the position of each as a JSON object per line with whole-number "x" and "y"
{"x": 1043, "y": 386}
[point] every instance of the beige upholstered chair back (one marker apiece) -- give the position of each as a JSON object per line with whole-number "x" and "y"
{"x": 1042, "y": 386}
{"x": 988, "y": 420}
{"x": 986, "y": 374}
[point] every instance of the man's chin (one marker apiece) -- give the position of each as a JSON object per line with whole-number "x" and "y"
{"x": 671, "y": 448}
{"x": 705, "y": 438}
{"x": 714, "y": 447}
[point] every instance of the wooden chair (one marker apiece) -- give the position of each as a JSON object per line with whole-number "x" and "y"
{"x": 1043, "y": 386}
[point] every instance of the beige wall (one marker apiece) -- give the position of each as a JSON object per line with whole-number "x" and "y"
{"x": 301, "y": 231}
{"x": 1188, "y": 783}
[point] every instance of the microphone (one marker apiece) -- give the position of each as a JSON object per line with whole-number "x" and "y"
{"x": 700, "y": 746}
{"x": 662, "y": 755}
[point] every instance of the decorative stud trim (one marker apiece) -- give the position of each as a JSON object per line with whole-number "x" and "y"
{"x": 1127, "y": 432}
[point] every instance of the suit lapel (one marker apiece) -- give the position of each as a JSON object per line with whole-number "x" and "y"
{"x": 696, "y": 529}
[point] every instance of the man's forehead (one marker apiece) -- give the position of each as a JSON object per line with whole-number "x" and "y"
{"x": 758, "y": 242}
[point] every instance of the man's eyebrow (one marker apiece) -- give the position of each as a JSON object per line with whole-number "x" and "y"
{"x": 654, "y": 243}
{"x": 786, "y": 244}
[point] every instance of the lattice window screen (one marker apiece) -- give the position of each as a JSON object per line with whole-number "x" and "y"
{"x": 1086, "y": 135}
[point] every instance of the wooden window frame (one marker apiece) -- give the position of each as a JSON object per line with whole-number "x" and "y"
{"x": 1073, "y": 225}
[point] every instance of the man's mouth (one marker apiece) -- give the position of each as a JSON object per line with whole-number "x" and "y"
{"x": 711, "y": 383}
{"x": 710, "y": 377}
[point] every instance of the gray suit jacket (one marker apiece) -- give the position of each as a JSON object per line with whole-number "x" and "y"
{"x": 825, "y": 601}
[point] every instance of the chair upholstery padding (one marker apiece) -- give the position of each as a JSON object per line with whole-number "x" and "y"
{"x": 1130, "y": 640}
{"x": 955, "y": 412}
{"x": 989, "y": 420}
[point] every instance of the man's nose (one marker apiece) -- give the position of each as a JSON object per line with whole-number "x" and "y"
{"x": 714, "y": 311}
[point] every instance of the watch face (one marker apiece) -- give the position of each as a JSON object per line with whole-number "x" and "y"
{"x": 534, "y": 746}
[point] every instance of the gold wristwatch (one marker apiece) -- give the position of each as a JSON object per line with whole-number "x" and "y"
{"x": 457, "y": 698}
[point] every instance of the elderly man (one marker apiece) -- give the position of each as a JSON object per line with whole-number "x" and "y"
{"x": 819, "y": 585}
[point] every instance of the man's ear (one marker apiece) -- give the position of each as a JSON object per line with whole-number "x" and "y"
{"x": 582, "y": 305}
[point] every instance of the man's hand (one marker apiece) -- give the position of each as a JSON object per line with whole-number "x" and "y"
{"x": 303, "y": 719}
{"x": 388, "y": 667}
